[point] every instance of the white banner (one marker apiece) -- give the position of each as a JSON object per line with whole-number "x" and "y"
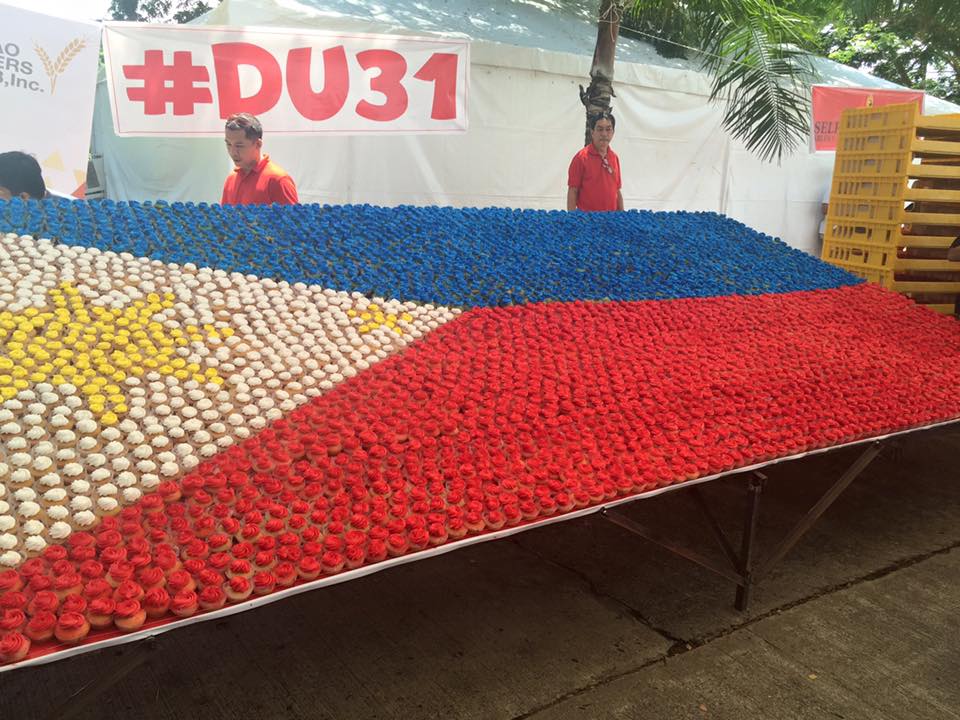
{"x": 185, "y": 80}
{"x": 48, "y": 82}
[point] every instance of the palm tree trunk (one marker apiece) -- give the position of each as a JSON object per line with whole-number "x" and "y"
{"x": 596, "y": 98}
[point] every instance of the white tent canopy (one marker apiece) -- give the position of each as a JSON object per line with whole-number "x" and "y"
{"x": 526, "y": 122}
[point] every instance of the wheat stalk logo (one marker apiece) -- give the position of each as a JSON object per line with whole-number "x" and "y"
{"x": 56, "y": 68}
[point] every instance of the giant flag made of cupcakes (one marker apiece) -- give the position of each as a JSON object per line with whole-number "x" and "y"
{"x": 200, "y": 405}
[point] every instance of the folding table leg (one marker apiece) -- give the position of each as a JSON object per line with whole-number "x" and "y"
{"x": 745, "y": 587}
{"x": 745, "y": 572}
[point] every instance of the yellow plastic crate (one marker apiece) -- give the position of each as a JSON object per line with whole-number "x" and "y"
{"x": 883, "y": 278}
{"x": 875, "y": 211}
{"x": 880, "y": 118}
{"x": 882, "y": 164}
{"x": 881, "y": 187}
{"x": 862, "y": 233}
{"x": 860, "y": 258}
{"x": 873, "y": 144}
{"x": 881, "y": 152}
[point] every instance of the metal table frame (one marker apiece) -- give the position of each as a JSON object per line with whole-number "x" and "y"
{"x": 742, "y": 568}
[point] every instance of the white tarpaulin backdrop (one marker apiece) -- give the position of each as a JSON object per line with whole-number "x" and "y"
{"x": 48, "y": 76}
{"x": 526, "y": 122}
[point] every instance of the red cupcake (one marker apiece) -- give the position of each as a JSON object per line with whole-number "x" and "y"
{"x": 45, "y": 600}
{"x": 100, "y": 612}
{"x": 438, "y": 533}
{"x": 218, "y": 542}
{"x": 309, "y": 568}
{"x": 456, "y": 528}
{"x": 264, "y": 583}
{"x": 286, "y": 574}
{"x": 11, "y": 581}
{"x": 240, "y": 568}
{"x": 13, "y": 600}
{"x": 354, "y": 556}
{"x": 14, "y": 647}
{"x": 265, "y": 560}
{"x": 180, "y": 580}
{"x": 74, "y": 603}
{"x": 95, "y": 588}
{"x": 184, "y": 603}
{"x": 12, "y": 619}
{"x": 332, "y": 562}
{"x": 118, "y": 572}
{"x": 397, "y": 545}
{"x": 212, "y": 598}
{"x": 238, "y": 588}
{"x": 151, "y": 577}
{"x": 156, "y": 602}
{"x": 376, "y": 550}
{"x": 219, "y": 561}
{"x": 71, "y": 628}
{"x": 128, "y": 590}
{"x": 129, "y": 616}
{"x": 41, "y": 625}
{"x": 51, "y": 553}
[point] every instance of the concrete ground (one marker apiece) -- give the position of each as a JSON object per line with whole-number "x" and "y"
{"x": 583, "y": 620}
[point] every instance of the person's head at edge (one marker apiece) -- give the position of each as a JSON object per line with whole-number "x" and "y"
{"x": 243, "y": 136}
{"x": 602, "y": 126}
{"x": 20, "y": 176}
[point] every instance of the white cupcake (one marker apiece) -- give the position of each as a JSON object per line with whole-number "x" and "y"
{"x": 131, "y": 495}
{"x": 33, "y": 527}
{"x": 24, "y": 494}
{"x": 11, "y": 558}
{"x": 107, "y": 506}
{"x": 34, "y": 545}
{"x": 59, "y": 531}
{"x": 84, "y": 520}
{"x": 65, "y": 439}
{"x": 88, "y": 444}
{"x": 29, "y": 510}
{"x": 42, "y": 465}
{"x": 58, "y": 512}
{"x": 66, "y": 455}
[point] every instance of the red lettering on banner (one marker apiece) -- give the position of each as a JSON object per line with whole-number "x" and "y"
{"x": 175, "y": 84}
{"x": 328, "y": 102}
{"x": 227, "y": 59}
{"x": 441, "y": 70}
{"x": 393, "y": 67}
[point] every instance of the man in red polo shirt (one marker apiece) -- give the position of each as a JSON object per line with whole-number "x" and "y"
{"x": 593, "y": 180}
{"x": 256, "y": 180}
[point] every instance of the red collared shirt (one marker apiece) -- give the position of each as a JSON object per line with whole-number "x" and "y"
{"x": 266, "y": 183}
{"x": 597, "y": 187}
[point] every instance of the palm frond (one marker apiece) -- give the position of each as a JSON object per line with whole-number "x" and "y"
{"x": 753, "y": 51}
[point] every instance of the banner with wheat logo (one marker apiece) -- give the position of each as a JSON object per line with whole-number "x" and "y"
{"x": 55, "y": 68}
{"x": 48, "y": 84}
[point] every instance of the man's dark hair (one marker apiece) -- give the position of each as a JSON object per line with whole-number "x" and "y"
{"x": 20, "y": 173}
{"x": 248, "y": 123}
{"x": 594, "y": 119}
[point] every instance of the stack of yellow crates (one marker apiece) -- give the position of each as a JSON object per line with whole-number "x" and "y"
{"x": 895, "y": 201}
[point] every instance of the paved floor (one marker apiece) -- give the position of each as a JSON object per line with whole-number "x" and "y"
{"x": 584, "y": 620}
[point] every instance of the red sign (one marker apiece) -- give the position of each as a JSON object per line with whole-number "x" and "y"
{"x": 829, "y": 102}
{"x": 185, "y": 80}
